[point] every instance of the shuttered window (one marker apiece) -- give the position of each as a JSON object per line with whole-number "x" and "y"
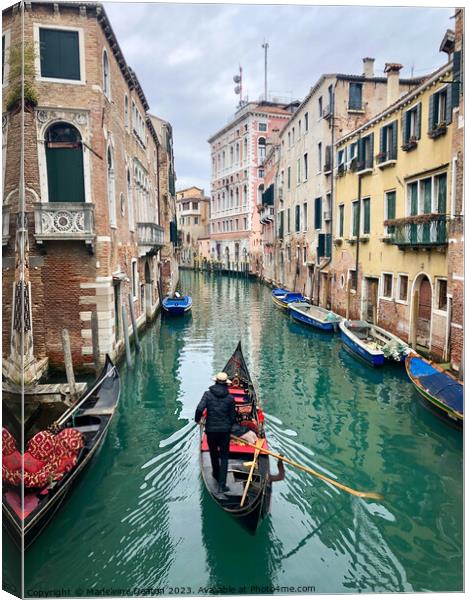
{"x": 60, "y": 54}
{"x": 411, "y": 124}
{"x": 426, "y": 189}
{"x": 355, "y": 218}
{"x": 64, "y": 159}
{"x": 366, "y": 216}
{"x": 388, "y": 142}
{"x": 355, "y": 96}
{"x": 457, "y": 87}
{"x": 441, "y": 184}
{"x": 413, "y": 198}
{"x": 318, "y": 215}
{"x": 341, "y": 221}
{"x": 440, "y": 108}
{"x": 297, "y": 218}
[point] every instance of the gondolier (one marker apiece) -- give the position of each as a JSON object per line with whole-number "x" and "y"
{"x": 220, "y": 417}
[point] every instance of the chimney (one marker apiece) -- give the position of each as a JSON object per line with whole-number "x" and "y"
{"x": 393, "y": 81}
{"x": 368, "y": 66}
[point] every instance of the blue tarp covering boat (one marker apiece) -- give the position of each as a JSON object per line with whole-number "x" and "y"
{"x": 438, "y": 387}
{"x": 177, "y": 305}
{"x": 282, "y": 297}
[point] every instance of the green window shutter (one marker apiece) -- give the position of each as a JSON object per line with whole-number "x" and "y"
{"x": 456, "y": 87}
{"x": 355, "y": 218}
{"x": 366, "y": 207}
{"x": 60, "y": 54}
{"x": 405, "y": 125}
{"x": 449, "y": 104}
{"x": 318, "y": 215}
{"x": 427, "y": 204}
{"x": 418, "y": 121}
{"x": 328, "y": 245}
{"x": 360, "y": 153}
{"x": 393, "y": 149}
{"x": 383, "y": 139}
{"x": 391, "y": 205}
{"x": 442, "y": 194}
{"x": 321, "y": 245}
{"x": 431, "y": 119}
{"x": 341, "y": 221}
{"x": 65, "y": 174}
{"x": 413, "y": 190}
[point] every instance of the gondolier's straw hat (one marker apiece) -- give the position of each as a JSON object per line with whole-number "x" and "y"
{"x": 221, "y": 378}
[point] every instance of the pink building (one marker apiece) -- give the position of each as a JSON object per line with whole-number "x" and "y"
{"x": 238, "y": 153}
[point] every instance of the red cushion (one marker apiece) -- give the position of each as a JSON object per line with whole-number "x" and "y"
{"x": 8, "y": 442}
{"x": 70, "y": 440}
{"x": 39, "y": 479}
{"x": 12, "y": 461}
{"x": 32, "y": 464}
{"x": 42, "y": 445}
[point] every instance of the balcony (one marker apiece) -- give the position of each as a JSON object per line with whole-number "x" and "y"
{"x": 150, "y": 237}
{"x": 267, "y": 215}
{"x": 5, "y": 225}
{"x": 420, "y": 231}
{"x": 386, "y": 159}
{"x": 361, "y": 167}
{"x": 64, "y": 221}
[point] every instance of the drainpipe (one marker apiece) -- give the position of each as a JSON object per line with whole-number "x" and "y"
{"x": 329, "y": 259}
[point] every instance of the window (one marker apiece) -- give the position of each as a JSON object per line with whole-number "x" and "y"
{"x": 245, "y": 149}
{"x": 298, "y": 170}
{"x": 196, "y": 220}
{"x": 288, "y": 177}
{"x": 288, "y": 139}
{"x": 352, "y": 152}
{"x": 440, "y": 109}
{"x": 402, "y": 288}
{"x": 341, "y": 220}
{"x": 288, "y": 220}
{"x": 126, "y": 110}
{"x": 387, "y": 285}
{"x": 365, "y": 152}
{"x": 130, "y": 202}
{"x": 318, "y": 215}
{"x": 245, "y": 194}
{"x": 355, "y": 96}
{"x": 320, "y": 107}
{"x": 441, "y": 292}
{"x": 231, "y": 155}
{"x": 305, "y": 216}
{"x": 262, "y": 127}
{"x": 185, "y": 205}
{"x": 390, "y": 209}
{"x": 138, "y": 124}
{"x": 59, "y": 54}
{"x": 440, "y": 188}
{"x": 106, "y": 81}
{"x": 328, "y": 161}
{"x": 261, "y": 149}
{"x": 195, "y": 205}
{"x": 355, "y": 218}
{"x": 5, "y": 56}
{"x": 236, "y": 224}
{"x": 297, "y": 218}
{"x": 245, "y": 223}
{"x": 366, "y": 216}
{"x": 352, "y": 278}
{"x": 64, "y": 160}
{"x": 305, "y": 166}
{"x": 319, "y": 159}
{"x": 300, "y": 129}
{"x": 411, "y": 126}
{"x": 306, "y": 122}
{"x": 388, "y": 142}
{"x": 134, "y": 282}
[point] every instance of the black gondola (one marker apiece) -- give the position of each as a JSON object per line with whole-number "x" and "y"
{"x": 258, "y": 497}
{"x": 92, "y": 417}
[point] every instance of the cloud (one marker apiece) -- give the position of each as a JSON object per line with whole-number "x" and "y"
{"x": 185, "y": 56}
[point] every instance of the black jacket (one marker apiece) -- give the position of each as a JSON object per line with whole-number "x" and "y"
{"x": 220, "y": 406}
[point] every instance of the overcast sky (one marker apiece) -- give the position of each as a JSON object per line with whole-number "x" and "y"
{"x": 185, "y": 57}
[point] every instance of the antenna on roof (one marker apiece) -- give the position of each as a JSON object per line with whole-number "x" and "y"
{"x": 238, "y": 79}
{"x": 265, "y": 46}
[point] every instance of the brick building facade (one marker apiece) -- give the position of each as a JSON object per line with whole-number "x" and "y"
{"x": 96, "y": 228}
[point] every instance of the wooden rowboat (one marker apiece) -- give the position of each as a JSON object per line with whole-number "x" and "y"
{"x": 442, "y": 391}
{"x": 94, "y": 411}
{"x": 258, "y": 493}
{"x": 282, "y": 297}
{"x": 315, "y": 316}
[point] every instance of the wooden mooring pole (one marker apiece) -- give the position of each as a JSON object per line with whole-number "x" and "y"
{"x": 134, "y": 323}
{"x": 69, "y": 364}
{"x": 125, "y": 328}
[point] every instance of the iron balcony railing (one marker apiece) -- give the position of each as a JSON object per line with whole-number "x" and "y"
{"x": 420, "y": 231}
{"x": 64, "y": 221}
{"x": 150, "y": 234}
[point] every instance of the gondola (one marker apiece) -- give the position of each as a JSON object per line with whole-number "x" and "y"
{"x": 315, "y": 316}
{"x": 282, "y": 298}
{"x": 442, "y": 391}
{"x": 173, "y": 305}
{"x": 90, "y": 416}
{"x": 257, "y": 502}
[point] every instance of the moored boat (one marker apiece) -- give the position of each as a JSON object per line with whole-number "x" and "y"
{"x": 177, "y": 304}
{"x": 282, "y": 298}
{"x": 315, "y": 316}
{"x": 442, "y": 391}
{"x": 55, "y": 458}
{"x": 248, "y": 499}
{"x": 372, "y": 343}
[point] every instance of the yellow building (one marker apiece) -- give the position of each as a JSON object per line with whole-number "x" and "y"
{"x": 390, "y": 249}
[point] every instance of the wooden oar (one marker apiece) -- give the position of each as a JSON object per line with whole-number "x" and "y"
{"x": 372, "y": 495}
{"x": 258, "y": 445}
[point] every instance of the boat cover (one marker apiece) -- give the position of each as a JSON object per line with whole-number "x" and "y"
{"x": 438, "y": 384}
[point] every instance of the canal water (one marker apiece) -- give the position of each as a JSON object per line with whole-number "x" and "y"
{"x": 140, "y": 518}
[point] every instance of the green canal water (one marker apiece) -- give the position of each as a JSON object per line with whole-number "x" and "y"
{"x": 140, "y": 518}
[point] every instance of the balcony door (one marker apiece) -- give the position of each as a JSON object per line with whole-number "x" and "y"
{"x": 64, "y": 159}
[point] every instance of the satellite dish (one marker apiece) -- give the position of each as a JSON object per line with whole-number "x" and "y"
{"x": 237, "y": 78}
{"x": 237, "y": 89}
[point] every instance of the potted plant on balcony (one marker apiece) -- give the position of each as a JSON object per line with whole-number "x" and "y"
{"x": 438, "y": 129}
{"x": 22, "y": 70}
{"x": 410, "y": 144}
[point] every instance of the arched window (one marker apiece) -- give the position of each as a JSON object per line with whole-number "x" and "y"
{"x": 245, "y": 194}
{"x": 237, "y": 197}
{"x": 260, "y": 193}
{"x": 126, "y": 110}
{"x": 245, "y": 149}
{"x": 111, "y": 191}
{"x": 64, "y": 159}
{"x": 130, "y": 202}
{"x": 231, "y": 198}
{"x": 106, "y": 81}
{"x": 261, "y": 149}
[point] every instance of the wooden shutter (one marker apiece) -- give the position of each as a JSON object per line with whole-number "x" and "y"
{"x": 456, "y": 85}
{"x": 65, "y": 174}
{"x": 321, "y": 245}
{"x": 391, "y": 205}
{"x": 449, "y": 104}
{"x": 318, "y": 215}
{"x": 404, "y": 128}
{"x": 393, "y": 149}
{"x": 442, "y": 194}
{"x": 418, "y": 121}
{"x": 60, "y": 54}
{"x": 366, "y": 206}
{"x": 383, "y": 140}
{"x": 431, "y": 120}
